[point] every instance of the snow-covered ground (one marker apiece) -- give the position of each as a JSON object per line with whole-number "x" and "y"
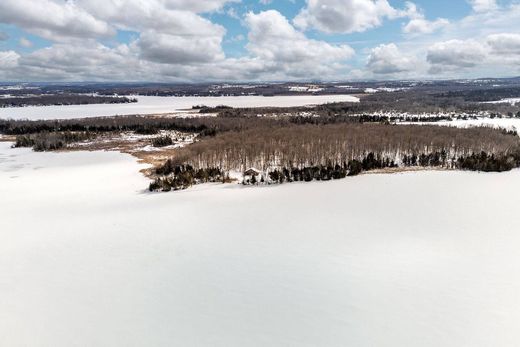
{"x": 87, "y": 258}
{"x": 502, "y": 123}
{"x": 156, "y": 104}
{"x": 512, "y": 101}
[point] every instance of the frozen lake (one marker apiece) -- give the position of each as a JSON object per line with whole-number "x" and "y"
{"x": 157, "y": 104}
{"x": 418, "y": 259}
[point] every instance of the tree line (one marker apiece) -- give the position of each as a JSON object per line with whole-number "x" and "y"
{"x": 323, "y": 152}
{"x": 62, "y": 99}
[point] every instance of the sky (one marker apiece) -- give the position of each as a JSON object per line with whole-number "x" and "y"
{"x": 257, "y": 40}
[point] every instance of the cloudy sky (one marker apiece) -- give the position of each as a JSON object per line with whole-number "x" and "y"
{"x": 257, "y": 40}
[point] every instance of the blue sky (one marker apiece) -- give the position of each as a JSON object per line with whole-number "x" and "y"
{"x": 211, "y": 40}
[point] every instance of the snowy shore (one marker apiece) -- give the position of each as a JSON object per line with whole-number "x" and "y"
{"x": 88, "y": 258}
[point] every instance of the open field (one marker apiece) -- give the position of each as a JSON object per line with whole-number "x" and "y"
{"x": 101, "y": 262}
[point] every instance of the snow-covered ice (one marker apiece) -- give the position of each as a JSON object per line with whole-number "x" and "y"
{"x": 512, "y": 101}
{"x": 157, "y": 104}
{"x": 502, "y": 123}
{"x": 87, "y": 258}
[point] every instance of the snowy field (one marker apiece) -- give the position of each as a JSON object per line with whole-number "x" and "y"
{"x": 502, "y": 123}
{"x": 156, "y": 104}
{"x": 87, "y": 258}
{"x": 512, "y": 101}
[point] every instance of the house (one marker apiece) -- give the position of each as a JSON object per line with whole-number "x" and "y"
{"x": 250, "y": 173}
{"x": 250, "y": 176}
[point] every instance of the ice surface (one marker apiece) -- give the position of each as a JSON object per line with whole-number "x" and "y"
{"x": 157, "y": 104}
{"x": 512, "y": 101}
{"x": 87, "y": 258}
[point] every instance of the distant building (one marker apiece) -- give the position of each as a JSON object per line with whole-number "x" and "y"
{"x": 251, "y": 173}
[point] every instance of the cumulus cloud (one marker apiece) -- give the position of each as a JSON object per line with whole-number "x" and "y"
{"x": 198, "y": 6}
{"x": 423, "y": 26}
{"x": 179, "y": 49}
{"x": 271, "y": 36}
{"x": 505, "y": 43}
{"x": 91, "y": 61}
{"x": 344, "y": 16}
{"x": 388, "y": 59}
{"x": 8, "y": 59}
{"x": 483, "y": 5}
{"x": 273, "y": 39}
{"x": 52, "y": 20}
{"x": 276, "y": 50}
{"x": 138, "y": 15}
{"x": 175, "y": 40}
{"x": 171, "y": 32}
{"x": 456, "y": 54}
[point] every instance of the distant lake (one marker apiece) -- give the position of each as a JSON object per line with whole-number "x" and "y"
{"x": 158, "y": 104}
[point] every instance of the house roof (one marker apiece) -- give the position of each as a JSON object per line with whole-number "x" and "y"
{"x": 251, "y": 171}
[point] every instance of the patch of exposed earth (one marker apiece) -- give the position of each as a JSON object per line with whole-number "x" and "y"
{"x": 140, "y": 146}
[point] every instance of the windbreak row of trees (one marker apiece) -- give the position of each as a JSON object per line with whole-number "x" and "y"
{"x": 323, "y": 152}
{"x": 206, "y": 126}
{"x": 62, "y": 99}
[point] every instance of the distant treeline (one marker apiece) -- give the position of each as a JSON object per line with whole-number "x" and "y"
{"x": 323, "y": 152}
{"x": 481, "y": 95}
{"x": 62, "y": 99}
{"x": 205, "y": 125}
{"x": 417, "y": 101}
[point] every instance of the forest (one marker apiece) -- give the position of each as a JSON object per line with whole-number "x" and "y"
{"x": 324, "y": 152}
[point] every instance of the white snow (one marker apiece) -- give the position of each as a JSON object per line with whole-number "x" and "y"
{"x": 87, "y": 258}
{"x": 512, "y": 101}
{"x": 157, "y": 104}
{"x": 502, "y": 123}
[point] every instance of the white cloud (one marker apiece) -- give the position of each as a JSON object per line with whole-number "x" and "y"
{"x": 273, "y": 39}
{"x": 496, "y": 53}
{"x": 138, "y": 15}
{"x": 423, "y": 26}
{"x": 179, "y": 49}
{"x": 483, "y": 5}
{"x": 176, "y": 41}
{"x": 388, "y": 59}
{"x": 8, "y": 59}
{"x": 198, "y": 6}
{"x": 24, "y": 42}
{"x": 90, "y": 61}
{"x": 52, "y": 20}
{"x": 505, "y": 43}
{"x": 171, "y": 32}
{"x": 345, "y": 16}
{"x": 456, "y": 54}
{"x": 276, "y": 51}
